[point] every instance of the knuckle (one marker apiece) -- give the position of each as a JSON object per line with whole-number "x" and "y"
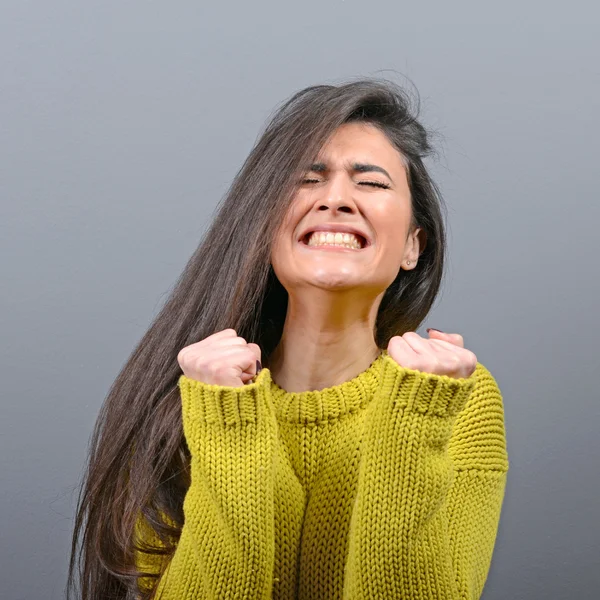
{"x": 221, "y": 370}
{"x": 212, "y": 368}
{"x": 183, "y": 358}
{"x": 250, "y": 356}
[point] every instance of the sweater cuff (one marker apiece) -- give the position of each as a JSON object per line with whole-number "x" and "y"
{"x": 224, "y": 405}
{"x": 425, "y": 393}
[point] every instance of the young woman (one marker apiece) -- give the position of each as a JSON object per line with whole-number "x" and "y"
{"x": 281, "y": 431}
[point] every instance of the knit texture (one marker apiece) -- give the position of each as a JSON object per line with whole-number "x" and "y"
{"x": 389, "y": 485}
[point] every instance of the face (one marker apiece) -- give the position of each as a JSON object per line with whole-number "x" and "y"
{"x": 348, "y": 223}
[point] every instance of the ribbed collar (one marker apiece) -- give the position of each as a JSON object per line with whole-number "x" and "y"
{"x": 329, "y": 403}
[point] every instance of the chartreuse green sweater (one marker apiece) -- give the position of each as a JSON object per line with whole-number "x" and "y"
{"x": 389, "y": 485}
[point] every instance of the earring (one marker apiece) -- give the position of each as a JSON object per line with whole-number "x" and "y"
{"x": 408, "y": 262}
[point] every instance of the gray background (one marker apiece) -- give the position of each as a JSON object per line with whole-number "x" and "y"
{"x": 121, "y": 126}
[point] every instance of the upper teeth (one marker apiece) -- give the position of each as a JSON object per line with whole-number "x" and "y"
{"x": 318, "y": 238}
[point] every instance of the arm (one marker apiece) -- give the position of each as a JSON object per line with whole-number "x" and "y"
{"x": 430, "y": 489}
{"x": 227, "y": 543}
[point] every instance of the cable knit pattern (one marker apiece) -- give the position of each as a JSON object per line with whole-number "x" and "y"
{"x": 389, "y": 485}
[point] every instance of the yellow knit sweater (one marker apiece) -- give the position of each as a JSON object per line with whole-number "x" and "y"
{"x": 389, "y": 485}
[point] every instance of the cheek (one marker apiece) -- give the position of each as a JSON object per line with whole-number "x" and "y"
{"x": 284, "y": 238}
{"x": 276, "y": 251}
{"x": 391, "y": 221}
{"x": 280, "y": 253}
{"x": 293, "y": 214}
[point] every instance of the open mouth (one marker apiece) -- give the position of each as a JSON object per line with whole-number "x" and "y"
{"x": 318, "y": 239}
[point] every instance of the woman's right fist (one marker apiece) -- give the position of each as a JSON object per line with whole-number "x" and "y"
{"x": 220, "y": 359}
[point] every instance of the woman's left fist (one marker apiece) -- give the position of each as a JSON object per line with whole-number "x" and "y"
{"x": 441, "y": 354}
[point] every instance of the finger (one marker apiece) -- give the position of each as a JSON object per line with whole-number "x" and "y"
{"x": 417, "y": 343}
{"x": 246, "y": 356}
{"x": 256, "y": 349}
{"x": 444, "y": 346}
{"x": 428, "y": 356}
{"x": 219, "y": 336}
{"x": 453, "y": 338}
{"x": 225, "y": 333}
{"x": 228, "y": 341}
{"x": 403, "y": 353}
{"x": 213, "y": 355}
{"x": 252, "y": 370}
{"x": 230, "y": 346}
{"x": 241, "y": 360}
{"x": 466, "y": 358}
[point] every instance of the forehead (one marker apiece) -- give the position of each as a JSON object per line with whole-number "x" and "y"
{"x": 360, "y": 141}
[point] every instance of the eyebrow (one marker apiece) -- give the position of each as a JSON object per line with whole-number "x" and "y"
{"x": 358, "y": 167}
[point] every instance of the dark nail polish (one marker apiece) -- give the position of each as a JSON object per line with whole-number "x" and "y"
{"x": 258, "y": 367}
{"x": 434, "y": 329}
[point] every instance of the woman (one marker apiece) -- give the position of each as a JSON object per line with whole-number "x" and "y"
{"x": 363, "y": 460}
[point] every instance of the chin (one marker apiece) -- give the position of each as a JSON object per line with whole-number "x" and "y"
{"x": 334, "y": 282}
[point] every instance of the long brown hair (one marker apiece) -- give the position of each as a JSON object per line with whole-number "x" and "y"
{"x": 138, "y": 458}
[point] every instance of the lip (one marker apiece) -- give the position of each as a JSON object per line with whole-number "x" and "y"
{"x": 336, "y": 228}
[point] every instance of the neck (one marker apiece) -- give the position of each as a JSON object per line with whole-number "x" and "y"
{"x": 326, "y": 341}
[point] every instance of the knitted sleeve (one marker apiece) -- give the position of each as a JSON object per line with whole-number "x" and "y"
{"x": 227, "y": 546}
{"x": 430, "y": 490}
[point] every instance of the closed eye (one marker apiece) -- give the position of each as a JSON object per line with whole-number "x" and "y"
{"x": 378, "y": 184}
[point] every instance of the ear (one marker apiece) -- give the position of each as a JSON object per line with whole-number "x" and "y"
{"x": 415, "y": 244}
{"x": 421, "y": 239}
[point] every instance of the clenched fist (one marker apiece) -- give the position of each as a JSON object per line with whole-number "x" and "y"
{"x": 220, "y": 359}
{"x": 443, "y": 354}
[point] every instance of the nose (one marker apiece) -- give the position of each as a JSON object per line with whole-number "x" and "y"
{"x": 337, "y": 195}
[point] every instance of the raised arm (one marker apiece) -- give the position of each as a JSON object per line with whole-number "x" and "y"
{"x": 431, "y": 485}
{"x": 227, "y": 542}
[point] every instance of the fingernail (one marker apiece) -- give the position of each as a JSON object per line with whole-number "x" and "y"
{"x": 434, "y": 329}
{"x": 258, "y": 367}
